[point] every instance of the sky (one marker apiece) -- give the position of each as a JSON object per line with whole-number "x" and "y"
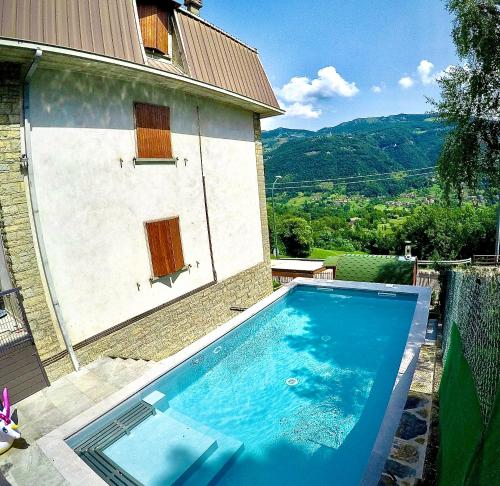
{"x": 331, "y": 61}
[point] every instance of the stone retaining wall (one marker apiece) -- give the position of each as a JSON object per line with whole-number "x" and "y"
{"x": 174, "y": 327}
{"x": 259, "y": 155}
{"x": 15, "y": 227}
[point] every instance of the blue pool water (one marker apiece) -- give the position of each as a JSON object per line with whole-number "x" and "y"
{"x": 295, "y": 395}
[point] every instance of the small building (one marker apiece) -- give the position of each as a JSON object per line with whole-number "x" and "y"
{"x": 132, "y": 192}
{"x": 288, "y": 269}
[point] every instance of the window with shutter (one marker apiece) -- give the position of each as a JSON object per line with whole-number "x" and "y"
{"x": 153, "y": 20}
{"x": 152, "y": 125}
{"x": 165, "y": 247}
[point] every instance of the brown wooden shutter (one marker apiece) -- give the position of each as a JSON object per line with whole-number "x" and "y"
{"x": 153, "y": 20}
{"x": 165, "y": 248}
{"x": 152, "y": 124}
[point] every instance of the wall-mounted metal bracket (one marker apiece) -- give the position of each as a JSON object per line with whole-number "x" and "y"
{"x": 24, "y": 164}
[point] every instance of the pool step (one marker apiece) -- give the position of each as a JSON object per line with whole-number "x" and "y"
{"x": 116, "y": 428}
{"x": 167, "y": 447}
{"x": 227, "y": 451}
{"x": 164, "y": 450}
{"x": 90, "y": 450}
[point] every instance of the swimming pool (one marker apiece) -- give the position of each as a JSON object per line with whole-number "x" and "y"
{"x": 296, "y": 394}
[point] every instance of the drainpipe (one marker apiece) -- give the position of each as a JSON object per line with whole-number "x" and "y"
{"x": 214, "y": 272}
{"x": 27, "y": 162}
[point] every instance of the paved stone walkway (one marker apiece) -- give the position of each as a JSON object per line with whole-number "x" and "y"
{"x": 406, "y": 461}
{"x": 24, "y": 464}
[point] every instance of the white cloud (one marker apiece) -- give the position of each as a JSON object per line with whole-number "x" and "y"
{"x": 424, "y": 70}
{"x": 377, "y": 89}
{"x": 329, "y": 83}
{"x": 301, "y": 96}
{"x": 442, "y": 74}
{"x": 271, "y": 123}
{"x": 295, "y": 110}
{"x": 406, "y": 82}
{"x": 302, "y": 110}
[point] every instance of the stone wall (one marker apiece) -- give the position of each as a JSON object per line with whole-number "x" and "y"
{"x": 259, "y": 155}
{"x": 177, "y": 325}
{"x": 15, "y": 227}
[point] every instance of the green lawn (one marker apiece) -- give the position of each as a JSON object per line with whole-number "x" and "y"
{"x": 321, "y": 254}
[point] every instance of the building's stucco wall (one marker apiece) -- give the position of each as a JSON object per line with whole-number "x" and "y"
{"x": 92, "y": 208}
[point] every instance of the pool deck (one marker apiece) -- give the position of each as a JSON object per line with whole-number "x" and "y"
{"x": 405, "y": 464}
{"x": 48, "y": 409}
{"x": 52, "y": 461}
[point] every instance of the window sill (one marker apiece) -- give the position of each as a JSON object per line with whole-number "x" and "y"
{"x": 185, "y": 268}
{"x": 147, "y": 161}
{"x": 159, "y": 56}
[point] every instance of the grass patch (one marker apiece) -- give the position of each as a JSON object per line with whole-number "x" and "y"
{"x": 321, "y": 254}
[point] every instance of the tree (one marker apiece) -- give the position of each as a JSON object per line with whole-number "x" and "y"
{"x": 449, "y": 232}
{"x": 297, "y": 236}
{"x": 470, "y": 99}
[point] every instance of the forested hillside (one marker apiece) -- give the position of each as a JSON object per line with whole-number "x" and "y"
{"x": 359, "y": 147}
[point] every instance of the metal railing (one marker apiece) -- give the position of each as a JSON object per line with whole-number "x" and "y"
{"x": 465, "y": 261}
{"x": 14, "y": 327}
{"x": 428, "y": 278}
{"x": 486, "y": 260}
{"x": 325, "y": 275}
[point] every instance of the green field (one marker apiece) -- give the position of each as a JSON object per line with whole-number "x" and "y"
{"x": 321, "y": 254}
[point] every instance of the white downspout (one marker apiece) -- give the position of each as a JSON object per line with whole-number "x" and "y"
{"x": 27, "y": 161}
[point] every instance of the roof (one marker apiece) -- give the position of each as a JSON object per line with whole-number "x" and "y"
{"x": 219, "y": 59}
{"x": 299, "y": 265}
{"x": 110, "y": 28}
{"x": 375, "y": 268}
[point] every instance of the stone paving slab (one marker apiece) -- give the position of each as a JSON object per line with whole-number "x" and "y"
{"x": 405, "y": 464}
{"x": 66, "y": 398}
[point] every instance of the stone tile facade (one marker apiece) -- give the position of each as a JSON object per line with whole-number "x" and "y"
{"x": 160, "y": 333}
{"x": 176, "y": 326}
{"x": 259, "y": 155}
{"x": 15, "y": 227}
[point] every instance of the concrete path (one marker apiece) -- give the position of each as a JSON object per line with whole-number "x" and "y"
{"x": 24, "y": 464}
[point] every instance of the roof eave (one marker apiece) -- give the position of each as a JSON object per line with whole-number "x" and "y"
{"x": 63, "y": 58}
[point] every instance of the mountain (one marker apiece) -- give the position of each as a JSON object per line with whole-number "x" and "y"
{"x": 359, "y": 147}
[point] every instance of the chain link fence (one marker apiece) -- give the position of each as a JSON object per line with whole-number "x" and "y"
{"x": 473, "y": 303}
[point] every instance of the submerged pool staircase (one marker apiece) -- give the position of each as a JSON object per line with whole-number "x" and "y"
{"x": 184, "y": 452}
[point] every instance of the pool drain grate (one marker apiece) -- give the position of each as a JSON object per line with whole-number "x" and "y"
{"x": 91, "y": 449}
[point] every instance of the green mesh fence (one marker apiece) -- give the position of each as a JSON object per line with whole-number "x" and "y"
{"x": 469, "y": 419}
{"x": 473, "y": 303}
{"x": 375, "y": 268}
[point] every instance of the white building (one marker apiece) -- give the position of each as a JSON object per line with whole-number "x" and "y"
{"x": 138, "y": 218}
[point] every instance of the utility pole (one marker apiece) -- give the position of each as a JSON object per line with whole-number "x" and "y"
{"x": 275, "y": 250}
